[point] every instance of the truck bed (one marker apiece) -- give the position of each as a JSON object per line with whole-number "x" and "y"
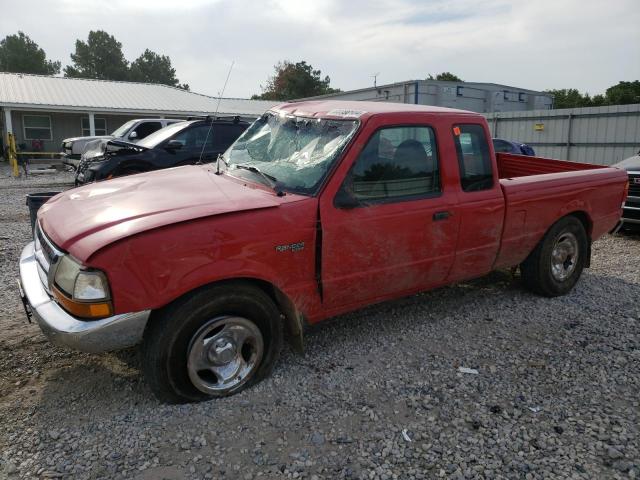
{"x": 538, "y": 191}
{"x": 515, "y": 166}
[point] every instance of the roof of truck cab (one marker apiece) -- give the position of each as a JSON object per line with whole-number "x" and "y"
{"x": 357, "y": 109}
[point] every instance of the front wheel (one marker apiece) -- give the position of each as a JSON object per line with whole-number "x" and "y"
{"x": 555, "y": 265}
{"x": 212, "y": 343}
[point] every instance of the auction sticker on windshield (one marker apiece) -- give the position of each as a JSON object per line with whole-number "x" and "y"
{"x": 345, "y": 112}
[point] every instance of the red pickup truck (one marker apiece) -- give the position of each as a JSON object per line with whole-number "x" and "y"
{"x": 319, "y": 208}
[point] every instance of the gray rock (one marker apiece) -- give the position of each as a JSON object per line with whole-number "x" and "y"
{"x": 317, "y": 438}
{"x": 614, "y": 453}
{"x": 340, "y": 410}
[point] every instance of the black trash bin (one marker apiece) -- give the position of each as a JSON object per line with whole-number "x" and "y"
{"x": 35, "y": 201}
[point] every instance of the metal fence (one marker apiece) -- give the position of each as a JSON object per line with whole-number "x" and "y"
{"x": 598, "y": 135}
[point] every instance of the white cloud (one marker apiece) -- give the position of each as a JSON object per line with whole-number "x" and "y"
{"x": 541, "y": 44}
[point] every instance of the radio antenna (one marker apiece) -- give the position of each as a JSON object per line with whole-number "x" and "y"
{"x": 224, "y": 87}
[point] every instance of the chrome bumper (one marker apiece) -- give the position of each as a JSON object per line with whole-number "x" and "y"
{"x": 94, "y": 336}
{"x": 631, "y": 210}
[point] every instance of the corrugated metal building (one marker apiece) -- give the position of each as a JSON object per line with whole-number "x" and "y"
{"x": 599, "y": 135}
{"x": 49, "y": 109}
{"x": 477, "y": 97}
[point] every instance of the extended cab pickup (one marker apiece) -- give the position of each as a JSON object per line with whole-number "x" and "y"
{"x": 319, "y": 208}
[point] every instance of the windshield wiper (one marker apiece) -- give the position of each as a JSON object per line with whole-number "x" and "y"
{"x": 271, "y": 180}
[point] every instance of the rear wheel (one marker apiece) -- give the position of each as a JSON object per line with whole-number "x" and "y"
{"x": 555, "y": 265}
{"x": 212, "y": 343}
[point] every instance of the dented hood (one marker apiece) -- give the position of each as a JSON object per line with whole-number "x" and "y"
{"x": 85, "y": 219}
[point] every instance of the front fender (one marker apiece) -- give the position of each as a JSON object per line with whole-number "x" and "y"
{"x": 156, "y": 267}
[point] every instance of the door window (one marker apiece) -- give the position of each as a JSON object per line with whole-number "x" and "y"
{"x": 398, "y": 163}
{"x": 476, "y": 170}
{"x": 146, "y": 129}
{"x": 195, "y": 137}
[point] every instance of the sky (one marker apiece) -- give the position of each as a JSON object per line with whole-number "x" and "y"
{"x": 536, "y": 44}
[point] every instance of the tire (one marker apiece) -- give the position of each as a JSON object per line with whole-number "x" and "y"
{"x": 553, "y": 275}
{"x": 190, "y": 346}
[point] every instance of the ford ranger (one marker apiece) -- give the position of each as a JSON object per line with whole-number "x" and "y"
{"x": 319, "y": 208}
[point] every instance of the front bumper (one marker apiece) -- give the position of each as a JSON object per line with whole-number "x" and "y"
{"x": 94, "y": 336}
{"x": 631, "y": 211}
{"x": 70, "y": 160}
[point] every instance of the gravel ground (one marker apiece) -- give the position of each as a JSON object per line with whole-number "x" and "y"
{"x": 377, "y": 395}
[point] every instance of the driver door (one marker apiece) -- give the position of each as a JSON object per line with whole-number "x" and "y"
{"x": 399, "y": 236}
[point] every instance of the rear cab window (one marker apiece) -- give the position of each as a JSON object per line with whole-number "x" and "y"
{"x": 474, "y": 159}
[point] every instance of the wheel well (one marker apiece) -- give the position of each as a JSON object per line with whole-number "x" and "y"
{"x": 583, "y": 217}
{"x": 291, "y": 316}
{"x": 586, "y": 221}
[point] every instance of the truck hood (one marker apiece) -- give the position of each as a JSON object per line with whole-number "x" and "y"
{"x": 100, "y": 148}
{"x": 631, "y": 163}
{"x": 83, "y": 220}
{"x": 86, "y": 139}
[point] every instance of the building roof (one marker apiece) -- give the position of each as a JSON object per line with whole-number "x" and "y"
{"x": 58, "y": 93}
{"x": 479, "y": 85}
{"x": 357, "y": 109}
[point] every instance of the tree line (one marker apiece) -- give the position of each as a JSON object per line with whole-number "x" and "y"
{"x": 101, "y": 57}
{"x": 623, "y": 93}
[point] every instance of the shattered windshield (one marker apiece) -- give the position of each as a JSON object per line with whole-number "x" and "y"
{"x": 292, "y": 152}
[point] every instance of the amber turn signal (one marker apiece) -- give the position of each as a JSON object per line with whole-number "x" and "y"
{"x": 83, "y": 309}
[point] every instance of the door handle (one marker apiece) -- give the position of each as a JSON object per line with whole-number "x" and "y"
{"x": 441, "y": 216}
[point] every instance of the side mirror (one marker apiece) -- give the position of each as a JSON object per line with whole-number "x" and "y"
{"x": 345, "y": 199}
{"x": 133, "y": 135}
{"x": 173, "y": 145}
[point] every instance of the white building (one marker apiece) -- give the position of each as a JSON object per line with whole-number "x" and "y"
{"x": 44, "y": 109}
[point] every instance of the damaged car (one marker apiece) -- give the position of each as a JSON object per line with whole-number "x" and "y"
{"x": 132, "y": 131}
{"x": 184, "y": 143}
{"x": 318, "y": 209}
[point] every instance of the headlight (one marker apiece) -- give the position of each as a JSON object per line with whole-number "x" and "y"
{"x": 82, "y": 292}
{"x": 66, "y": 274}
{"x": 91, "y": 286}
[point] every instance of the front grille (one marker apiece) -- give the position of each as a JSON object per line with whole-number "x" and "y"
{"x": 45, "y": 246}
{"x": 47, "y": 255}
{"x": 630, "y": 213}
{"x": 634, "y": 188}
